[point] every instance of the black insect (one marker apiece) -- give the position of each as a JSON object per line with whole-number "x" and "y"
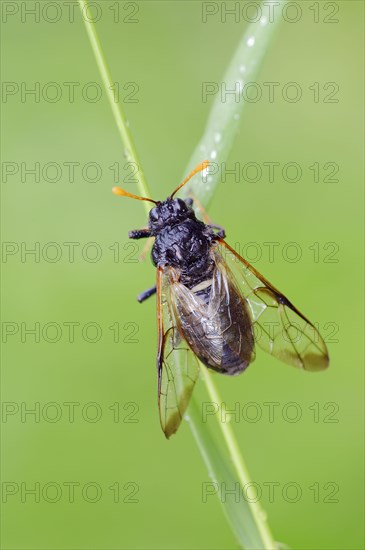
{"x": 212, "y": 305}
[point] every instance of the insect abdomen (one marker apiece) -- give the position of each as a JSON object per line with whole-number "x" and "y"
{"x": 214, "y": 320}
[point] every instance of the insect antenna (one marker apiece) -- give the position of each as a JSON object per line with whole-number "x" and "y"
{"x": 122, "y": 193}
{"x": 199, "y": 168}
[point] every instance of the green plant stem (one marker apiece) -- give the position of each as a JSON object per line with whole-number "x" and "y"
{"x": 239, "y": 464}
{"x": 262, "y": 532}
{"x": 119, "y": 117}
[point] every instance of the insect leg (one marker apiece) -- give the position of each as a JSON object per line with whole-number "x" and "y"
{"x": 146, "y": 294}
{"x": 221, "y": 233}
{"x": 139, "y": 234}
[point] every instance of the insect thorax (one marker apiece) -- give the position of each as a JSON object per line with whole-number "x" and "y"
{"x": 186, "y": 247}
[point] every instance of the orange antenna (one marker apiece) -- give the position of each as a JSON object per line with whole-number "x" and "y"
{"x": 122, "y": 193}
{"x": 199, "y": 168}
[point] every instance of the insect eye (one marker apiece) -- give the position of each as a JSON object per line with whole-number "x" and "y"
{"x": 153, "y": 214}
{"x": 180, "y": 205}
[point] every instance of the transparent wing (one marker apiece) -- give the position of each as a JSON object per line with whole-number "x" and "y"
{"x": 177, "y": 366}
{"x": 280, "y": 329}
{"x": 215, "y": 322}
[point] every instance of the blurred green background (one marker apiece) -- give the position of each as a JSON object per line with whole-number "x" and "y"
{"x": 167, "y": 53}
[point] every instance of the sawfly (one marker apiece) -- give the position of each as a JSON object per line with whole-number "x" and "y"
{"x": 213, "y": 307}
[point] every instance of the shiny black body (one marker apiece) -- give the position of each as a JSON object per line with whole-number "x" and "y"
{"x": 209, "y": 300}
{"x": 181, "y": 241}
